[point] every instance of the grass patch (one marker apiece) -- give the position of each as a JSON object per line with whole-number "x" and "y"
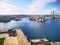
{"x": 1, "y": 41}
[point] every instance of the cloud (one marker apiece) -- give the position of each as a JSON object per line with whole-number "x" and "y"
{"x": 47, "y": 12}
{"x": 4, "y": 0}
{"x": 51, "y": 1}
{"x": 38, "y": 4}
{"x": 8, "y": 9}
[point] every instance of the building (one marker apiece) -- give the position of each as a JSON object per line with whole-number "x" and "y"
{"x": 40, "y": 42}
{"x": 55, "y": 43}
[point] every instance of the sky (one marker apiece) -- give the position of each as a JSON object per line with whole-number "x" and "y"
{"x": 34, "y": 7}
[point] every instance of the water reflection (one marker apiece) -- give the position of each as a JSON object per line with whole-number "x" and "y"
{"x": 9, "y": 25}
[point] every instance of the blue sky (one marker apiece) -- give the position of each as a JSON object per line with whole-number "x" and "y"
{"x": 35, "y": 6}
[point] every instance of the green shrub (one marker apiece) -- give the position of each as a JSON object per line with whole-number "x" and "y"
{"x": 1, "y": 41}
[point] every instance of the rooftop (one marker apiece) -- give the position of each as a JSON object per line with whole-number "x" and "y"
{"x": 39, "y": 40}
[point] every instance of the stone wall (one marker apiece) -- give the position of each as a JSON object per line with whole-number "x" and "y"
{"x": 20, "y": 39}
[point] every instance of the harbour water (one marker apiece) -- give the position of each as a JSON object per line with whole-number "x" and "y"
{"x": 49, "y": 29}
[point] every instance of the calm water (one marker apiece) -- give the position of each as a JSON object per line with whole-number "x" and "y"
{"x": 32, "y": 29}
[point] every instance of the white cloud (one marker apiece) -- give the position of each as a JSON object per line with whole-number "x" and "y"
{"x": 48, "y": 11}
{"x": 38, "y": 4}
{"x": 8, "y": 9}
{"x": 51, "y": 1}
{"x": 4, "y": 0}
